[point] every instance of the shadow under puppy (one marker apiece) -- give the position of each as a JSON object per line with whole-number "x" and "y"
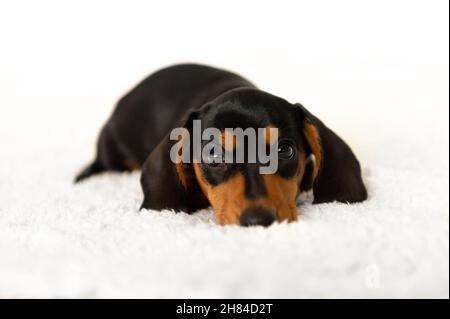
{"x": 137, "y": 136}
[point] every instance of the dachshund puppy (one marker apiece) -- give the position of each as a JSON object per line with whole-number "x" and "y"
{"x": 310, "y": 155}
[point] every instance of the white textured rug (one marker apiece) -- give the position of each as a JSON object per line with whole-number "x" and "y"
{"x": 89, "y": 240}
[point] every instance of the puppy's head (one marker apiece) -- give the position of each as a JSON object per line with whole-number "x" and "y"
{"x": 238, "y": 190}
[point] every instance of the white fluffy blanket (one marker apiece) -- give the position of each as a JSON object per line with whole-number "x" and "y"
{"x": 90, "y": 240}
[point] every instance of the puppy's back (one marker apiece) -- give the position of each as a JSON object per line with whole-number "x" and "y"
{"x": 152, "y": 109}
{"x": 158, "y": 103}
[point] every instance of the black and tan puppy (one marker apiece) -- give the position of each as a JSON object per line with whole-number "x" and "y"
{"x": 137, "y": 136}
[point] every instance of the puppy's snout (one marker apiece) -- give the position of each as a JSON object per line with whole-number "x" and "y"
{"x": 257, "y": 216}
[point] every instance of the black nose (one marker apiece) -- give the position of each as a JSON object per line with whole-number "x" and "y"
{"x": 257, "y": 216}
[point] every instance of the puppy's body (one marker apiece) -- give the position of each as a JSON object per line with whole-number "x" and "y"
{"x": 136, "y": 136}
{"x": 154, "y": 107}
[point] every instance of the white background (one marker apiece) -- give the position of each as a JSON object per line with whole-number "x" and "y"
{"x": 369, "y": 56}
{"x": 374, "y": 71}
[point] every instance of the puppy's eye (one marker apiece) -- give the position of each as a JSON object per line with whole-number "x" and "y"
{"x": 214, "y": 159}
{"x": 285, "y": 151}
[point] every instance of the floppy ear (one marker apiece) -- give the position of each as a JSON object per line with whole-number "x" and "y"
{"x": 336, "y": 173}
{"x": 169, "y": 185}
